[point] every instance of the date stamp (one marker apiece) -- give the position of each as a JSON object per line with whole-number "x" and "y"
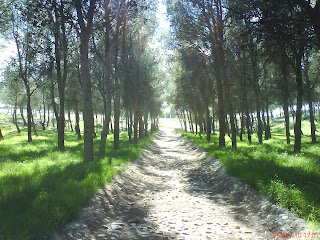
{"x": 304, "y": 235}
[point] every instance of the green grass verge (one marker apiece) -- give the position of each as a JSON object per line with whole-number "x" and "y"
{"x": 290, "y": 179}
{"x": 42, "y": 188}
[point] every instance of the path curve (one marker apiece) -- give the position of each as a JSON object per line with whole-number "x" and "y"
{"x": 175, "y": 191}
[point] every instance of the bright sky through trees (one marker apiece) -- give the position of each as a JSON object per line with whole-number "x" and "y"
{"x": 161, "y": 14}
{"x": 7, "y": 49}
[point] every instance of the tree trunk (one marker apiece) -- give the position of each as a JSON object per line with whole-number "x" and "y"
{"x": 135, "y": 126}
{"x": 227, "y": 127}
{"x": 311, "y": 112}
{"x": 241, "y": 126}
{"x": 87, "y": 101}
{"x": 29, "y": 114}
{"x": 213, "y": 119}
{"x": 130, "y": 122}
{"x": 297, "y": 127}
{"x": 141, "y": 130}
{"x": 146, "y": 118}
{"x": 111, "y": 125}
{"x": 264, "y": 125}
{"x": 245, "y": 99}
{"x": 22, "y": 116}
{"x": 117, "y": 114}
{"x": 287, "y": 121}
{"x": 70, "y": 122}
{"x": 61, "y": 125}
{"x": 180, "y": 120}
{"x": 86, "y": 26}
{"x": 61, "y": 51}
{"x": 236, "y": 124}
{"x": 221, "y": 115}
{"x": 309, "y": 89}
{"x": 48, "y": 120}
{"x": 185, "y": 121}
{"x": 15, "y": 116}
{"x": 191, "y": 122}
{"x": 34, "y": 125}
{"x": 208, "y": 128}
{"x": 256, "y": 87}
{"x": 196, "y": 128}
{"x": 268, "y": 130}
{"x": 103, "y": 140}
{"x": 43, "y": 122}
{"x": 95, "y": 126}
{"x": 77, "y": 126}
{"x": 1, "y": 135}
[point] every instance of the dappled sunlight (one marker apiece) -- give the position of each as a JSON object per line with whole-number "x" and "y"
{"x": 175, "y": 191}
{"x": 263, "y": 165}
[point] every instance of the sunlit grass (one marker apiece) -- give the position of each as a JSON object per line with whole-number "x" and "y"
{"x": 291, "y": 179}
{"x": 42, "y": 188}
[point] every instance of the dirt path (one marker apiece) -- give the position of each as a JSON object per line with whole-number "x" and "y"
{"x": 175, "y": 191}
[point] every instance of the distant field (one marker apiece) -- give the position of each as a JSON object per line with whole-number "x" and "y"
{"x": 292, "y": 180}
{"x": 169, "y": 123}
{"x": 42, "y": 188}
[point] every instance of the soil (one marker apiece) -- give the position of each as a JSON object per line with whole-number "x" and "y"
{"x": 176, "y": 191}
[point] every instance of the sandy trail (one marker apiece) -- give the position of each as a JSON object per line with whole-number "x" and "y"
{"x": 175, "y": 191}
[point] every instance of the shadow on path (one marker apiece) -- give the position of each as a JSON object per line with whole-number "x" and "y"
{"x": 175, "y": 191}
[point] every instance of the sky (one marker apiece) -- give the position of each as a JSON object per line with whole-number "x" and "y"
{"x": 8, "y": 48}
{"x": 161, "y": 14}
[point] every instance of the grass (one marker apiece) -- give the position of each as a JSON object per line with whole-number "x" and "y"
{"x": 288, "y": 178}
{"x": 42, "y": 188}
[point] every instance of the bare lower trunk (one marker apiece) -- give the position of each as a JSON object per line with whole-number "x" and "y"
{"x": 264, "y": 125}
{"x": 313, "y": 126}
{"x": 15, "y": 117}
{"x": 70, "y": 122}
{"x": 297, "y": 127}
{"x": 105, "y": 128}
{"x": 87, "y": 103}
{"x": 1, "y": 135}
{"x": 185, "y": 121}
{"x": 61, "y": 126}
{"x": 287, "y": 121}
{"x": 48, "y": 113}
{"x": 34, "y": 126}
{"x": 208, "y": 127}
{"x": 146, "y": 120}
{"x": 29, "y": 116}
{"x": 190, "y": 122}
{"x": 103, "y": 140}
{"x": 130, "y": 122}
{"x": 135, "y": 127}
{"x": 116, "y": 133}
{"x": 141, "y": 129}
{"x": 241, "y": 126}
{"x": 227, "y": 127}
{"x": 222, "y": 122}
{"x": 77, "y": 126}
{"x": 268, "y": 131}
{"x": 213, "y": 119}
{"x": 22, "y": 116}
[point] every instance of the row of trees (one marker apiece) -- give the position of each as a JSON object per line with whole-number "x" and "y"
{"x": 242, "y": 58}
{"x": 89, "y": 56}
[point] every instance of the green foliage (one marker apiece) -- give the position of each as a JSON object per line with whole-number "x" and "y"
{"x": 290, "y": 179}
{"x": 42, "y": 188}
